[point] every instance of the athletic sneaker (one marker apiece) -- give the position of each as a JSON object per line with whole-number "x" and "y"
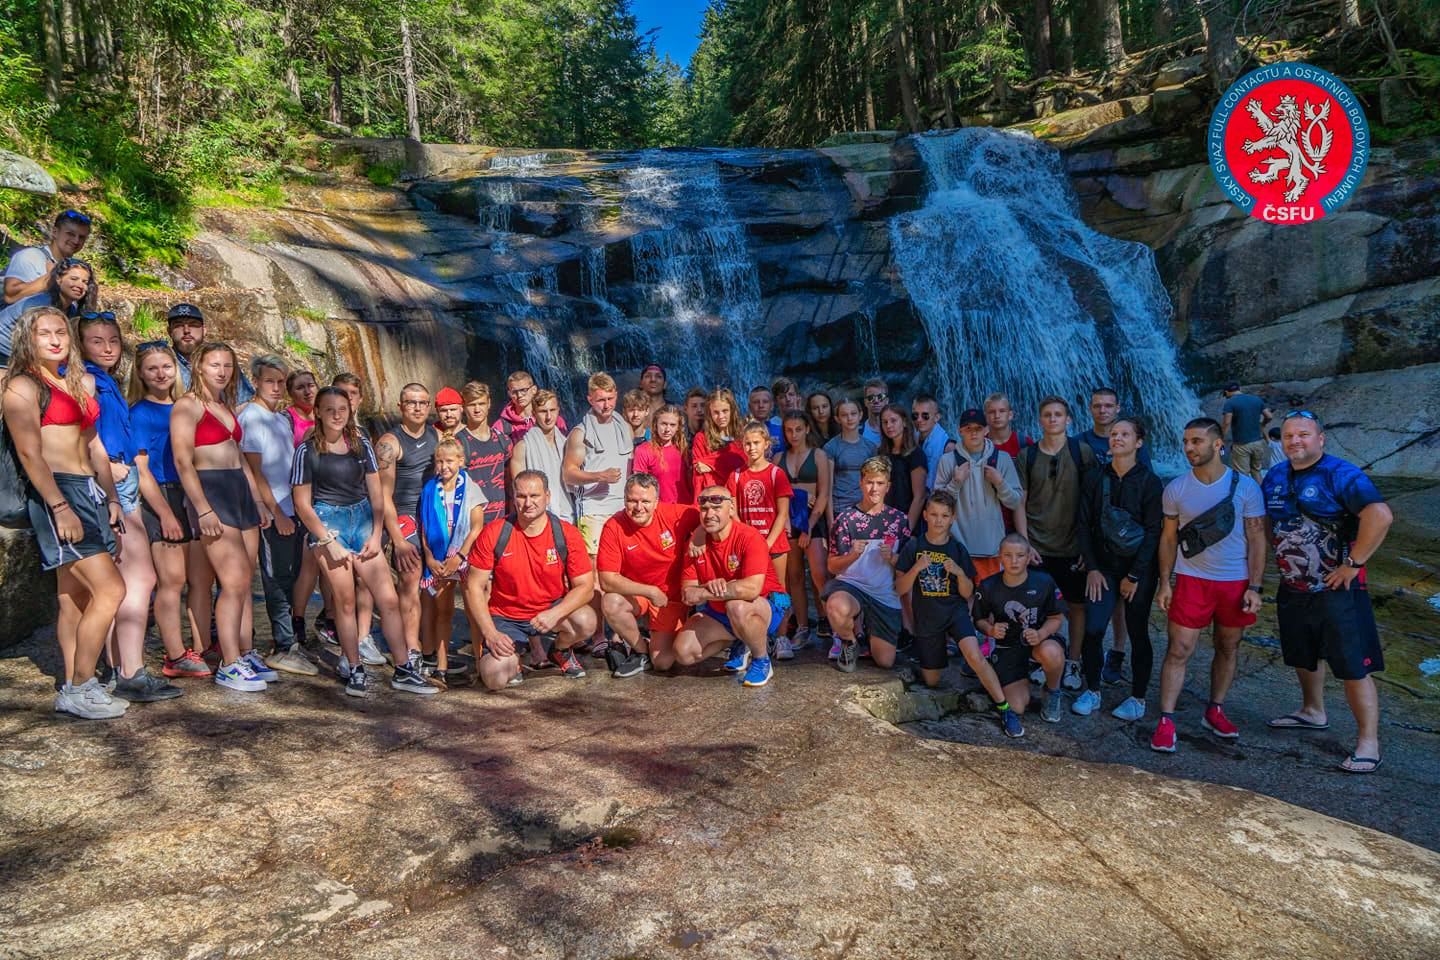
{"x": 325, "y": 630}
{"x": 803, "y": 637}
{"x": 849, "y": 657}
{"x": 758, "y": 673}
{"x": 407, "y": 679}
{"x": 625, "y": 662}
{"x": 257, "y": 663}
{"x": 357, "y": 684}
{"x": 1163, "y": 739}
{"x": 145, "y": 687}
{"x": 739, "y": 657}
{"x": 370, "y": 654}
{"x": 1072, "y": 679}
{"x": 89, "y": 701}
{"x": 783, "y": 648}
{"x": 1038, "y": 676}
{"x": 1111, "y": 674}
{"x": 1132, "y": 709}
{"x": 342, "y": 667}
{"x": 1217, "y": 723}
{"x": 292, "y": 661}
{"x": 569, "y": 666}
{"x": 239, "y": 676}
{"x": 1054, "y": 705}
{"x": 516, "y": 680}
{"x": 1010, "y": 723}
{"x": 835, "y": 649}
{"x": 1086, "y": 704}
{"x": 597, "y": 649}
{"x": 188, "y": 664}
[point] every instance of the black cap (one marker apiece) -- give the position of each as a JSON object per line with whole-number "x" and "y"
{"x": 184, "y": 311}
{"x": 1232, "y": 387}
{"x": 972, "y": 417}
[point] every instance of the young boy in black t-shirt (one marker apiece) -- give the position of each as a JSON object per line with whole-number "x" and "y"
{"x": 1021, "y": 609}
{"x": 937, "y": 572}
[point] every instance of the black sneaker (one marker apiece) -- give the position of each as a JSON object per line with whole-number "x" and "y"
{"x": 568, "y": 665}
{"x": 357, "y": 684}
{"x": 145, "y": 687}
{"x": 408, "y": 680}
{"x": 624, "y": 661}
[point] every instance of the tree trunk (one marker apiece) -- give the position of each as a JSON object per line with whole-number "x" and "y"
{"x": 1040, "y": 61}
{"x": 54, "y": 48}
{"x": 904, "y": 62}
{"x": 1112, "y": 36}
{"x": 287, "y": 38}
{"x": 932, "y": 64}
{"x": 865, "y": 73}
{"x": 1163, "y": 20}
{"x": 1223, "y": 57}
{"x": 1350, "y": 13}
{"x": 1063, "y": 41}
{"x": 412, "y": 99}
{"x": 337, "y": 100}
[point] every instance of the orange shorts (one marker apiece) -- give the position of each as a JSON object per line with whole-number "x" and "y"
{"x": 985, "y": 567}
{"x": 666, "y": 619}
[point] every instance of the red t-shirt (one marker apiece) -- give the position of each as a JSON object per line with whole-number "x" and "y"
{"x": 528, "y": 578}
{"x": 652, "y": 554}
{"x": 741, "y": 554}
{"x": 722, "y": 462}
{"x": 666, "y": 465}
{"x": 1012, "y": 447}
{"x": 757, "y": 494}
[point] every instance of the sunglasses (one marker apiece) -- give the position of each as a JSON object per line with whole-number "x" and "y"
{"x": 98, "y": 315}
{"x": 69, "y": 262}
{"x": 714, "y": 500}
{"x": 75, "y": 215}
{"x": 1302, "y": 414}
{"x": 877, "y": 397}
{"x": 920, "y": 416}
{"x": 153, "y": 345}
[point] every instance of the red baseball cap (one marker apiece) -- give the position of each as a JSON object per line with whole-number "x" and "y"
{"x": 449, "y": 397}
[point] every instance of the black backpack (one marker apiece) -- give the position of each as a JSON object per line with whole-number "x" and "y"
{"x": 1212, "y": 526}
{"x": 1122, "y": 534}
{"x": 556, "y": 534}
{"x": 15, "y": 486}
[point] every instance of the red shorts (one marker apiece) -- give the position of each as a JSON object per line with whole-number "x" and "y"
{"x": 1198, "y": 603}
{"x": 666, "y": 619}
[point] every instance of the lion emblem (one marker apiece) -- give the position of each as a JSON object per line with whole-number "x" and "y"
{"x": 1303, "y": 156}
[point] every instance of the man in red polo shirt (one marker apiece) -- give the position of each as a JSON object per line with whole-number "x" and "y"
{"x": 734, "y": 584}
{"x": 530, "y": 579}
{"x": 640, "y": 560}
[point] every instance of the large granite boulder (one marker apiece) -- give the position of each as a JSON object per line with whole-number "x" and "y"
{"x": 22, "y": 173}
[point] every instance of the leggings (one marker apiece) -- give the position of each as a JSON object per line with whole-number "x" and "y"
{"x": 1137, "y": 623}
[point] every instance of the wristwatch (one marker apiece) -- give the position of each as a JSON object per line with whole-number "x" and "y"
{"x": 1257, "y": 587}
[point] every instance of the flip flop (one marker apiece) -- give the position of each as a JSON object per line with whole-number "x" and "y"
{"x": 1373, "y": 761}
{"x": 1294, "y": 721}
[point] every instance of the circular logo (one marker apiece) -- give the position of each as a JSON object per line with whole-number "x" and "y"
{"x": 1288, "y": 143}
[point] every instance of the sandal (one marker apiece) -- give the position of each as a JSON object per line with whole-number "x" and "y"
{"x": 1294, "y": 721}
{"x": 1348, "y": 765}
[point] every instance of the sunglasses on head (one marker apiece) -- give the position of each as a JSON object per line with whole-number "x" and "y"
{"x": 713, "y": 500}
{"x": 153, "y": 345}
{"x": 1302, "y": 414}
{"x": 69, "y": 262}
{"x": 75, "y": 215}
{"x": 98, "y": 315}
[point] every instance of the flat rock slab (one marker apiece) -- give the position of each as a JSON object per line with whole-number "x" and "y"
{"x": 655, "y": 817}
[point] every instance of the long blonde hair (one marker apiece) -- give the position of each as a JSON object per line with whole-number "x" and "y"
{"x": 682, "y": 436}
{"x": 137, "y": 390}
{"x": 25, "y": 360}
{"x": 231, "y": 388}
{"x": 713, "y": 437}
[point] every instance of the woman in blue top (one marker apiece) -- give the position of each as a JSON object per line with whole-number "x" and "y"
{"x": 169, "y": 523}
{"x": 102, "y": 348}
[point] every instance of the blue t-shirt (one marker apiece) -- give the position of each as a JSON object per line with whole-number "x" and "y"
{"x": 1101, "y": 446}
{"x": 1246, "y": 411}
{"x": 150, "y": 432}
{"x": 1315, "y": 514}
{"x": 114, "y": 423}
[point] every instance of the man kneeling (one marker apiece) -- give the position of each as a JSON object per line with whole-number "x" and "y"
{"x": 530, "y": 579}
{"x": 743, "y": 601}
{"x": 640, "y": 563}
{"x": 1021, "y": 609}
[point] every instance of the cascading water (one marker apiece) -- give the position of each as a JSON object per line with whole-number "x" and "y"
{"x": 1017, "y": 294}
{"x": 696, "y": 260}
{"x": 523, "y": 161}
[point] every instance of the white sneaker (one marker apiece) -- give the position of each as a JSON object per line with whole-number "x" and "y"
{"x": 1132, "y": 709}
{"x": 1086, "y": 704}
{"x": 783, "y": 649}
{"x": 89, "y": 701}
{"x": 370, "y": 654}
{"x": 1072, "y": 680}
{"x": 802, "y": 639}
{"x": 342, "y": 667}
{"x": 239, "y": 676}
{"x": 1038, "y": 676}
{"x": 258, "y": 666}
{"x": 835, "y": 649}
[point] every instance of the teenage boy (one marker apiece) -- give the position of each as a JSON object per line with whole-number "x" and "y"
{"x": 936, "y": 571}
{"x": 518, "y": 416}
{"x": 877, "y": 397}
{"x": 28, "y": 271}
{"x": 861, "y": 602}
{"x": 186, "y": 326}
{"x": 762, "y": 410}
{"x": 1021, "y": 609}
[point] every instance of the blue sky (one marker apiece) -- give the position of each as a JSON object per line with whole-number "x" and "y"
{"x": 679, "y": 23}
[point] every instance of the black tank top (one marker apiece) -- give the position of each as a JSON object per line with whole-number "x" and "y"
{"x": 414, "y": 468}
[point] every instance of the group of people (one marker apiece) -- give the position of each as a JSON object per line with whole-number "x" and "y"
{"x": 654, "y": 534}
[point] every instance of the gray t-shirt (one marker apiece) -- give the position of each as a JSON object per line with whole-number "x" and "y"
{"x": 847, "y": 458}
{"x": 1186, "y": 497}
{"x": 1246, "y": 412}
{"x": 269, "y": 434}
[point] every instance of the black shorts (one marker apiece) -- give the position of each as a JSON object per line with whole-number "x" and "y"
{"x": 87, "y": 503}
{"x": 1338, "y": 625}
{"x": 876, "y": 620}
{"x": 1012, "y": 661}
{"x": 229, "y": 494}
{"x": 1070, "y": 580}
{"x": 184, "y": 515}
{"x": 930, "y": 649}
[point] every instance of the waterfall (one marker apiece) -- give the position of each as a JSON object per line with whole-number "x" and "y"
{"x": 524, "y": 161}
{"x": 696, "y": 260}
{"x": 1017, "y": 294}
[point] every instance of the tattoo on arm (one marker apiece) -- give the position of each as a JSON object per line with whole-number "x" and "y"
{"x": 387, "y": 452}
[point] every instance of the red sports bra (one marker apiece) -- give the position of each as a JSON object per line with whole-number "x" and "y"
{"x": 210, "y": 431}
{"x": 64, "y": 411}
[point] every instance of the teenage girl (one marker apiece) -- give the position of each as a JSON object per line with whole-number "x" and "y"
{"x": 907, "y": 464}
{"x": 847, "y": 451}
{"x": 715, "y": 453}
{"x": 822, "y": 421}
{"x": 663, "y": 455}
{"x": 808, "y": 469}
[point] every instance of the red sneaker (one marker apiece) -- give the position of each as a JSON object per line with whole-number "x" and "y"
{"x": 1164, "y": 738}
{"x": 1217, "y": 723}
{"x": 188, "y": 665}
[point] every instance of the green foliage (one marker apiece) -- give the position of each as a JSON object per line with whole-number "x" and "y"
{"x": 148, "y": 323}
{"x": 312, "y": 314}
{"x": 384, "y": 174}
{"x": 297, "y": 347}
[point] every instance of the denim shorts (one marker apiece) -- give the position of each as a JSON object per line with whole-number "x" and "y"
{"x": 351, "y": 524}
{"x": 129, "y": 491}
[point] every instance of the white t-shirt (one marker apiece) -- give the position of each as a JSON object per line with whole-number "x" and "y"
{"x": 269, "y": 434}
{"x": 1186, "y": 497}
